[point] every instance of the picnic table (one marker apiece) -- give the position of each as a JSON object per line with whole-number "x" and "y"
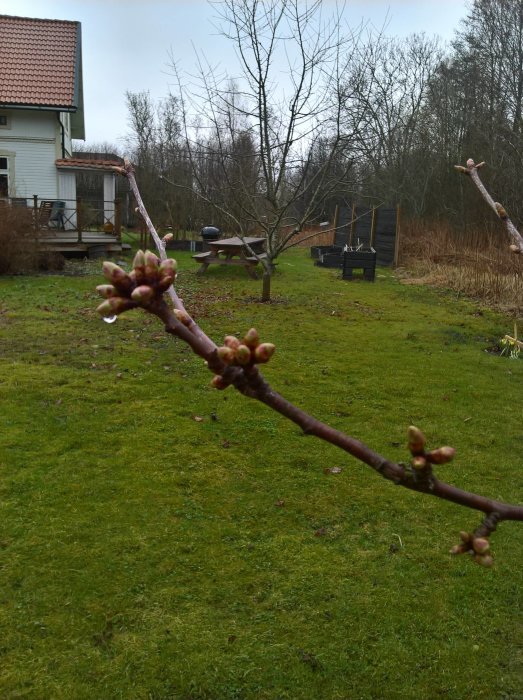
{"x": 233, "y": 251}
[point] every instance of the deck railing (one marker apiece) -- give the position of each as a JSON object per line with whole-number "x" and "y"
{"x": 76, "y": 215}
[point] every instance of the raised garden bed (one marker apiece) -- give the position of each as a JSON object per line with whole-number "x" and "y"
{"x": 327, "y": 256}
{"x": 363, "y": 259}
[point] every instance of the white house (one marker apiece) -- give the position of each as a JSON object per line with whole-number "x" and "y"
{"x": 41, "y": 111}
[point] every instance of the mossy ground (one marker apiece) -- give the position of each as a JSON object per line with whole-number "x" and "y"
{"x": 146, "y": 554}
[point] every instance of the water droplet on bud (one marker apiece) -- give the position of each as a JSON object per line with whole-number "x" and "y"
{"x": 110, "y": 319}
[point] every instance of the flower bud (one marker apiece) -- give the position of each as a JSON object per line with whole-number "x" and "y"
{"x": 167, "y": 266}
{"x": 480, "y": 545}
{"x": 142, "y": 294}
{"x": 231, "y": 341}
{"x": 226, "y": 355}
{"x": 106, "y": 290}
{"x": 419, "y": 462}
{"x": 168, "y": 237}
{"x": 242, "y": 355}
{"x": 442, "y": 455}
{"x": 500, "y": 210}
{"x": 151, "y": 258}
{"x": 183, "y": 317}
{"x": 458, "y": 549}
{"x": 151, "y": 266}
{"x": 105, "y": 309}
{"x": 416, "y": 440}
{"x": 117, "y": 277}
{"x": 218, "y": 382}
{"x": 139, "y": 267}
{"x": 251, "y": 338}
{"x": 166, "y": 281}
{"x": 484, "y": 559}
{"x": 264, "y": 352}
{"x": 139, "y": 259}
{"x": 115, "y": 306}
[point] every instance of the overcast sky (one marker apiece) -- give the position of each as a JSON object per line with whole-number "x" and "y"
{"x": 127, "y": 43}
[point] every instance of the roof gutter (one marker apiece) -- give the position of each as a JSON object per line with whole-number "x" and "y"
{"x": 63, "y": 133}
{"x": 40, "y": 108}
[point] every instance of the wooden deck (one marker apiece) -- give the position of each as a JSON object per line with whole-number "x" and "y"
{"x": 92, "y": 243}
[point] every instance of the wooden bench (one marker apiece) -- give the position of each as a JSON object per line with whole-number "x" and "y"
{"x": 200, "y": 257}
{"x": 252, "y": 259}
{"x": 209, "y": 257}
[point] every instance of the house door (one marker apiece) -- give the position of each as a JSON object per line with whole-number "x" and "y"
{"x": 4, "y": 177}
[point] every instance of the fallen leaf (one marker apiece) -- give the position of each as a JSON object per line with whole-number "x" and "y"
{"x": 280, "y": 503}
{"x": 321, "y": 532}
{"x": 332, "y": 470}
{"x": 198, "y": 419}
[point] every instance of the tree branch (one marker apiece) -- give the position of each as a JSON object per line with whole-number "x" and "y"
{"x": 236, "y": 363}
{"x": 472, "y": 171}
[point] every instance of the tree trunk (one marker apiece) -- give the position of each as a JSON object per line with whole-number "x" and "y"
{"x": 266, "y": 284}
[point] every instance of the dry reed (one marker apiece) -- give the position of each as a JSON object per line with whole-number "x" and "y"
{"x": 474, "y": 262}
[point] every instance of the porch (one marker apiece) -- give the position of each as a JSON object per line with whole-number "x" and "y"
{"x": 70, "y": 226}
{"x": 74, "y": 226}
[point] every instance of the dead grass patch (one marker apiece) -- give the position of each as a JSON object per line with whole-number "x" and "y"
{"x": 476, "y": 263}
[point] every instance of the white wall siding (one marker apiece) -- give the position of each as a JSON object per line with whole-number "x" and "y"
{"x": 34, "y": 138}
{"x": 35, "y": 170}
{"x": 30, "y": 123}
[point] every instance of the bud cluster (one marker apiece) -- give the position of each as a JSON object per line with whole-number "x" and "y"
{"x": 479, "y": 547}
{"x": 242, "y": 353}
{"x": 147, "y": 281}
{"x": 421, "y": 460}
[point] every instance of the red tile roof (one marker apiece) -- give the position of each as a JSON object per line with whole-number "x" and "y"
{"x": 87, "y": 164}
{"x": 39, "y": 62}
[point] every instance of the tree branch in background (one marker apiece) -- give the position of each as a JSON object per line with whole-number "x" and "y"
{"x": 236, "y": 364}
{"x": 472, "y": 171}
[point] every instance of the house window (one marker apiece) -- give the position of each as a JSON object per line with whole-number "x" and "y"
{"x": 4, "y": 176}
{"x": 4, "y": 121}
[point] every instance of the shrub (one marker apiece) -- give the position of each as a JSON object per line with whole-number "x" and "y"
{"x": 20, "y": 249}
{"x": 18, "y": 241}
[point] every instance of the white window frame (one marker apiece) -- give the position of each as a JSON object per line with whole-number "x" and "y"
{"x": 5, "y": 171}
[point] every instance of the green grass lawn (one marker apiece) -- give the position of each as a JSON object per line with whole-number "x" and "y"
{"x": 148, "y": 555}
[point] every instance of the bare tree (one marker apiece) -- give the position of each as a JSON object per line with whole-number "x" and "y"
{"x": 386, "y": 110}
{"x": 474, "y": 104}
{"x": 286, "y": 100}
{"x": 157, "y": 148}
